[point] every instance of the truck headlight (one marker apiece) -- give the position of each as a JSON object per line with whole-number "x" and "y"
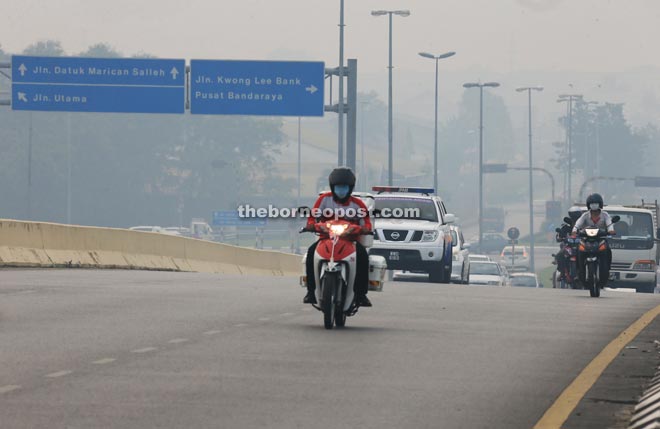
{"x": 644, "y": 266}
{"x": 430, "y": 235}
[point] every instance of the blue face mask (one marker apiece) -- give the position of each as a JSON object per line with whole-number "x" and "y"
{"x": 341, "y": 191}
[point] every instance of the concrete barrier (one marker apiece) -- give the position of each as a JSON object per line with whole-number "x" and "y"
{"x": 41, "y": 244}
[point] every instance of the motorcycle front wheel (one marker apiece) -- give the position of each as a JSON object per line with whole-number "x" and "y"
{"x": 328, "y": 304}
{"x": 594, "y": 289}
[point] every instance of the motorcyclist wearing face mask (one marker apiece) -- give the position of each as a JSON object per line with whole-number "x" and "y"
{"x": 342, "y": 182}
{"x": 595, "y": 216}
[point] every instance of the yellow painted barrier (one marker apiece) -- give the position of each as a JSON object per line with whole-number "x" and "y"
{"x": 42, "y": 244}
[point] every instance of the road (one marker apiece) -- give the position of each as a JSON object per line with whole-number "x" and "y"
{"x": 117, "y": 349}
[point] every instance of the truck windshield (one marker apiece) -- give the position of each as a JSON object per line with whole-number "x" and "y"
{"x": 407, "y": 208}
{"x": 633, "y": 231}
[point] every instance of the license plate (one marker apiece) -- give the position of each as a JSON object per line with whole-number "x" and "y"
{"x": 394, "y": 256}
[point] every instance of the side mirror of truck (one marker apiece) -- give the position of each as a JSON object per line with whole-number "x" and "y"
{"x": 657, "y": 233}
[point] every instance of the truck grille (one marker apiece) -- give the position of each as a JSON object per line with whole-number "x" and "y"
{"x": 395, "y": 234}
{"x": 619, "y": 266}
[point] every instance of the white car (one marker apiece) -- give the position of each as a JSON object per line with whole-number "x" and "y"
{"x": 413, "y": 231}
{"x": 473, "y": 257}
{"x": 525, "y": 280}
{"x": 518, "y": 261}
{"x": 486, "y": 273}
{"x": 146, "y": 228}
{"x": 459, "y": 255}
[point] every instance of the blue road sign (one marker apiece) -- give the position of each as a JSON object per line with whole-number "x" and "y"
{"x": 275, "y": 88}
{"x": 74, "y": 84}
{"x": 231, "y": 218}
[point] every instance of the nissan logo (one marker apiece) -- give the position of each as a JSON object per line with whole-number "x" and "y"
{"x": 395, "y": 235}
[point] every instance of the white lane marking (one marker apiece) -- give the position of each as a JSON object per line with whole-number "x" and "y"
{"x": 240, "y": 325}
{"x": 144, "y": 350}
{"x": 263, "y": 319}
{"x": 104, "y": 361}
{"x": 59, "y": 374}
{"x": 9, "y": 388}
{"x": 178, "y": 340}
{"x": 212, "y": 332}
{"x": 287, "y": 314}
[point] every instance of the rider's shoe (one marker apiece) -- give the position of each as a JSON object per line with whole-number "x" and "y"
{"x": 310, "y": 298}
{"x": 363, "y": 301}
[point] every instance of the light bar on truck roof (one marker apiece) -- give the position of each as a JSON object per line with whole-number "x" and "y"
{"x": 412, "y": 190}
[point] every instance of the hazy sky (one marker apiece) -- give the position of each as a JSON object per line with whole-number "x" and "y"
{"x": 498, "y": 35}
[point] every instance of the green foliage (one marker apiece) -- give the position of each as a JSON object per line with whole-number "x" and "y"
{"x": 45, "y": 48}
{"x": 101, "y": 50}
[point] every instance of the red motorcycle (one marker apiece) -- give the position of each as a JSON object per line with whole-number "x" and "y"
{"x": 335, "y": 263}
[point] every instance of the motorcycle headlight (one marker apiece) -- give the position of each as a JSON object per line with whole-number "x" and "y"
{"x": 338, "y": 229}
{"x": 430, "y": 235}
{"x": 591, "y": 232}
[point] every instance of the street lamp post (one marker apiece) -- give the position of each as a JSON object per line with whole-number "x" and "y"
{"x": 402, "y": 13}
{"x": 569, "y": 98}
{"x": 529, "y": 90}
{"x": 340, "y": 110}
{"x": 435, "y": 130}
{"x": 481, "y": 149}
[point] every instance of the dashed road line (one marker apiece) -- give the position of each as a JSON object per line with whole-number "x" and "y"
{"x": 212, "y": 332}
{"x": 264, "y": 319}
{"x": 144, "y": 350}
{"x": 241, "y": 325}
{"x": 58, "y": 374}
{"x": 9, "y": 388}
{"x": 178, "y": 340}
{"x": 287, "y": 314}
{"x": 104, "y": 361}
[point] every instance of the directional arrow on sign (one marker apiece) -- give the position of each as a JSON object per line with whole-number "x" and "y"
{"x": 22, "y": 69}
{"x": 311, "y": 89}
{"x": 174, "y": 72}
{"x": 22, "y": 97}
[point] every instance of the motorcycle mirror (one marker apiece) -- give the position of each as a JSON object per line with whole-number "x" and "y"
{"x": 557, "y": 229}
{"x": 615, "y": 219}
{"x": 568, "y": 220}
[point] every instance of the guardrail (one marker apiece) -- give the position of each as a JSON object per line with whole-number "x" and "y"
{"x": 41, "y": 244}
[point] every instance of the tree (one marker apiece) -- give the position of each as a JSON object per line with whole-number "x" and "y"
{"x": 45, "y": 48}
{"x": 101, "y": 50}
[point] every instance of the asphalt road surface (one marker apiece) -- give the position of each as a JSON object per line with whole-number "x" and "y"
{"x": 119, "y": 349}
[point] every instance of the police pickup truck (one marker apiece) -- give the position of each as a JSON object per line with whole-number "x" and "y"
{"x": 413, "y": 231}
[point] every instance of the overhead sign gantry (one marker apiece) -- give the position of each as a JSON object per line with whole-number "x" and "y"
{"x": 77, "y": 84}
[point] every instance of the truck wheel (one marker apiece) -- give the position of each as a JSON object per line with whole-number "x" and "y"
{"x": 447, "y": 275}
{"x": 436, "y": 274}
{"x": 645, "y": 288}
